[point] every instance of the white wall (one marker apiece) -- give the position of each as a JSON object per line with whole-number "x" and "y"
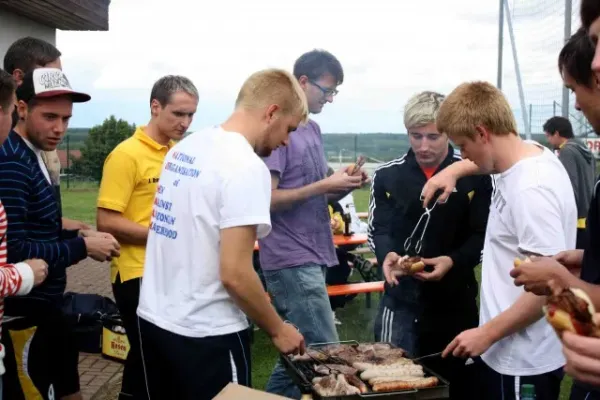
{"x": 13, "y": 27}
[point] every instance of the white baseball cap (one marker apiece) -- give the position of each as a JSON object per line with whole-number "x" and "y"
{"x": 46, "y": 83}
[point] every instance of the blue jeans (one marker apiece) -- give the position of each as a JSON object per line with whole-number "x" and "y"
{"x": 300, "y": 296}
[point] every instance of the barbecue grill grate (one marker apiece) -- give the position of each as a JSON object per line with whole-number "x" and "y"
{"x": 303, "y": 372}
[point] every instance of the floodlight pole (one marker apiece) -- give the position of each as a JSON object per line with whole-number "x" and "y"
{"x": 567, "y": 33}
{"x": 500, "y": 43}
{"x": 517, "y": 71}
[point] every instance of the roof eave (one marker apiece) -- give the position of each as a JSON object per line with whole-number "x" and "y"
{"x": 67, "y": 15}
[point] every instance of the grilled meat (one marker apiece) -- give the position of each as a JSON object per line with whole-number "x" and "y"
{"x": 326, "y": 369}
{"x": 572, "y": 310}
{"x": 333, "y": 385}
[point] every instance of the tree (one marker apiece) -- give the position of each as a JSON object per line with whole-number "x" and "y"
{"x": 101, "y": 140}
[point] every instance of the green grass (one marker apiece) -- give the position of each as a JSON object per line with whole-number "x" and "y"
{"x": 79, "y": 202}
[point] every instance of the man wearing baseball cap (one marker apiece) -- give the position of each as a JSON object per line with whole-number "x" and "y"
{"x": 24, "y": 55}
{"x": 44, "y": 106}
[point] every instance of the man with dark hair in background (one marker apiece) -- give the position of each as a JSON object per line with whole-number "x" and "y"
{"x": 129, "y": 181}
{"x": 295, "y": 255}
{"x": 23, "y": 56}
{"x": 580, "y": 164}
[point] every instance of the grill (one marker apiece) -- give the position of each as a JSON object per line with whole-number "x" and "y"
{"x": 302, "y": 373}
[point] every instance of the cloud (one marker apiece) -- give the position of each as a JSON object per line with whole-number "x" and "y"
{"x": 390, "y": 49}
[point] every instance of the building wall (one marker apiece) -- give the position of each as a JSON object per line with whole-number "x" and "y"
{"x": 13, "y": 27}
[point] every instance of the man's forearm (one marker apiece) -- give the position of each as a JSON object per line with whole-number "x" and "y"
{"x": 124, "y": 230}
{"x": 282, "y": 199}
{"x": 464, "y": 168}
{"x": 72, "y": 224}
{"x": 333, "y": 197}
{"x": 524, "y": 312}
{"x": 247, "y": 292}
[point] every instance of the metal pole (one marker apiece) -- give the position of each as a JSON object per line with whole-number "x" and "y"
{"x": 68, "y": 172}
{"x": 565, "y": 91}
{"x": 530, "y": 114}
{"x": 517, "y": 70}
{"x": 500, "y": 43}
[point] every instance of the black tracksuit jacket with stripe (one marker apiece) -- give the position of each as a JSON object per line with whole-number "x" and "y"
{"x": 456, "y": 229}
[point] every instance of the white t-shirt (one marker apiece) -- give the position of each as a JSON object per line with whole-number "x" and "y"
{"x": 533, "y": 210}
{"x": 211, "y": 180}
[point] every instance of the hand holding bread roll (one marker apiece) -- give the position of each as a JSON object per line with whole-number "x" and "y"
{"x": 571, "y": 310}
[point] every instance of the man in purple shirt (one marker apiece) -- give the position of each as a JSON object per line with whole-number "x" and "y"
{"x": 295, "y": 255}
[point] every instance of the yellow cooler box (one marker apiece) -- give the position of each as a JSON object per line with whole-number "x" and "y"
{"x": 115, "y": 345}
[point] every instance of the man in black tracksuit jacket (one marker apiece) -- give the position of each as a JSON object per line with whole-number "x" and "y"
{"x": 423, "y": 316}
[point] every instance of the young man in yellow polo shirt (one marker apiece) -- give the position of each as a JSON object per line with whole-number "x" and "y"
{"x": 129, "y": 182}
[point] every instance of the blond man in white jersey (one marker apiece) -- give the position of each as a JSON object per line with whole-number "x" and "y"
{"x": 533, "y": 212}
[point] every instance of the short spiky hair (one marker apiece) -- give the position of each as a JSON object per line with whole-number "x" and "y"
{"x": 475, "y": 104}
{"x": 590, "y": 11}
{"x": 422, "y": 109}
{"x": 273, "y": 86}
{"x": 168, "y": 85}
{"x": 576, "y": 57}
{"x": 28, "y": 53}
{"x": 7, "y": 91}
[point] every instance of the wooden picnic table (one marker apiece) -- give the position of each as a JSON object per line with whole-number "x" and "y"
{"x": 341, "y": 240}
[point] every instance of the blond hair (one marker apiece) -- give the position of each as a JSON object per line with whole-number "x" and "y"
{"x": 422, "y": 109}
{"x": 475, "y": 104}
{"x": 273, "y": 86}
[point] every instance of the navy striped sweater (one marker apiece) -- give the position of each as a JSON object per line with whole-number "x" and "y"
{"x": 34, "y": 223}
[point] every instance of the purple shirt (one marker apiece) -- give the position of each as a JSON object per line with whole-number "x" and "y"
{"x": 300, "y": 234}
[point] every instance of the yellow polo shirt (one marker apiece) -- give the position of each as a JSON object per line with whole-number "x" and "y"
{"x": 129, "y": 182}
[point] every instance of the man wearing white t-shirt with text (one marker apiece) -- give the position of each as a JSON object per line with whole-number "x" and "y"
{"x": 533, "y": 212}
{"x": 199, "y": 286}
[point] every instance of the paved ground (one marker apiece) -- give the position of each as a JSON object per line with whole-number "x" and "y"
{"x": 95, "y": 372}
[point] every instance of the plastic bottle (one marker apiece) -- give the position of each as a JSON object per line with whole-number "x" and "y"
{"x": 347, "y": 218}
{"x": 527, "y": 392}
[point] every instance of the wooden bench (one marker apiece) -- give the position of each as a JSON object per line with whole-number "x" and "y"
{"x": 356, "y": 288}
{"x": 362, "y": 215}
{"x": 360, "y": 250}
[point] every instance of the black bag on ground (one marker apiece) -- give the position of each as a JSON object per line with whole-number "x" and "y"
{"x": 86, "y": 313}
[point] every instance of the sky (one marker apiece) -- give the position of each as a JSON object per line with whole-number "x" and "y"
{"x": 389, "y": 49}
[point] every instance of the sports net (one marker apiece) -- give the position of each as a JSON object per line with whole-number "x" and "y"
{"x": 538, "y": 28}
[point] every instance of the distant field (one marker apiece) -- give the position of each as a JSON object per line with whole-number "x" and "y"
{"x": 376, "y": 146}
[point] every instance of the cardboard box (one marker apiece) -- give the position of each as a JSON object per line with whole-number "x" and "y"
{"x": 233, "y": 391}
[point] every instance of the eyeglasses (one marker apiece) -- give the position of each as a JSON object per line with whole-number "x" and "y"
{"x": 431, "y": 137}
{"x": 326, "y": 92}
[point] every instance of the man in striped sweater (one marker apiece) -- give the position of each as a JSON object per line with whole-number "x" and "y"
{"x": 45, "y": 103}
{"x": 17, "y": 279}
{"x": 23, "y": 56}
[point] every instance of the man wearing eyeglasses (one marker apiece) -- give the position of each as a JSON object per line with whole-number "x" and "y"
{"x": 295, "y": 255}
{"x": 421, "y": 312}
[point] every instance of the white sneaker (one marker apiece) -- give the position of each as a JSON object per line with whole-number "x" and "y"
{"x": 335, "y": 319}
